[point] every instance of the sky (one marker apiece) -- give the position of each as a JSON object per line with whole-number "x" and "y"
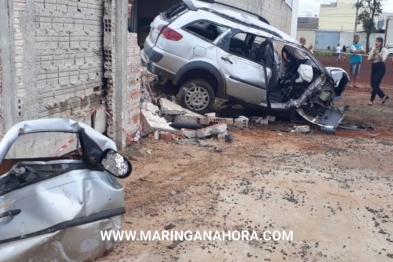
{"x": 311, "y": 7}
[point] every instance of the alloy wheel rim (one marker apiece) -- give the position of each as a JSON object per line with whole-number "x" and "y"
{"x": 197, "y": 98}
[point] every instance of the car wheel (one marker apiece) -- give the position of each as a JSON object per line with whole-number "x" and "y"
{"x": 196, "y": 95}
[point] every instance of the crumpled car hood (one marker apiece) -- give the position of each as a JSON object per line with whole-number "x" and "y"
{"x": 52, "y": 125}
{"x": 60, "y": 208}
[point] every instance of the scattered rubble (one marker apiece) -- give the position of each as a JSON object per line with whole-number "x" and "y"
{"x": 205, "y": 132}
{"x": 171, "y": 122}
{"x": 301, "y": 129}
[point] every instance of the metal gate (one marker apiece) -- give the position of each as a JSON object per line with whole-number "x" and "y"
{"x": 324, "y": 39}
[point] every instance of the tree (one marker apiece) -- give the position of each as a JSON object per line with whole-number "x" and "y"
{"x": 370, "y": 10}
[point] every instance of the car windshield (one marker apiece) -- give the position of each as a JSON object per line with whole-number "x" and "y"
{"x": 43, "y": 145}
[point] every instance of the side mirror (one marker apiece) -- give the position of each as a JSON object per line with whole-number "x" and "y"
{"x": 116, "y": 164}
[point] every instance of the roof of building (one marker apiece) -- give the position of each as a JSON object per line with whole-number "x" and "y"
{"x": 310, "y": 23}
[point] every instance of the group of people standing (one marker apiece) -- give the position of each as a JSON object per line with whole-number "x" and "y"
{"x": 377, "y": 56}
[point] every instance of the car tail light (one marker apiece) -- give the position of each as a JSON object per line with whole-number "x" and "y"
{"x": 169, "y": 33}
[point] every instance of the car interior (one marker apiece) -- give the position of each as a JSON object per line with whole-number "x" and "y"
{"x": 287, "y": 60}
{"x": 205, "y": 30}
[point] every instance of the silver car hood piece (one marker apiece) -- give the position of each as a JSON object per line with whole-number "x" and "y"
{"x": 60, "y": 209}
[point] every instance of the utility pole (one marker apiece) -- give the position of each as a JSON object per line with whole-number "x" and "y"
{"x": 357, "y": 5}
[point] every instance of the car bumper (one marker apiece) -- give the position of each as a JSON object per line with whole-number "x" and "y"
{"x": 149, "y": 59}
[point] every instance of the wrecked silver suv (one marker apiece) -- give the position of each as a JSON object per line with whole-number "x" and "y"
{"x": 54, "y": 208}
{"x": 210, "y": 49}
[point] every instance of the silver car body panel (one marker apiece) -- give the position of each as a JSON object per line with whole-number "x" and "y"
{"x": 61, "y": 215}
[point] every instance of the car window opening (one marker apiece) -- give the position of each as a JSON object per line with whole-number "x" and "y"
{"x": 206, "y": 30}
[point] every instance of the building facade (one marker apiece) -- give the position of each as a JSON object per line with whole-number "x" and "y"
{"x": 280, "y": 13}
{"x": 340, "y": 16}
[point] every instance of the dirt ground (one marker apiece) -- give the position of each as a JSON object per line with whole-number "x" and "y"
{"x": 335, "y": 192}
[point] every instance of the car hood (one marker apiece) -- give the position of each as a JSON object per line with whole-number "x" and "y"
{"x": 53, "y": 125}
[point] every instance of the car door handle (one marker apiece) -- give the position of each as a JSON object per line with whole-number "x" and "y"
{"x": 226, "y": 59}
{"x": 10, "y": 213}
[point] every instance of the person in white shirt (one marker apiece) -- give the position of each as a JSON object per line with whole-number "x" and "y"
{"x": 378, "y": 57}
{"x": 338, "y": 52}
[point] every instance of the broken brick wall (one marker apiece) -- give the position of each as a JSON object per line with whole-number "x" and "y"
{"x": 59, "y": 57}
{"x": 134, "y": 69}
{"x": 129, "y": 96}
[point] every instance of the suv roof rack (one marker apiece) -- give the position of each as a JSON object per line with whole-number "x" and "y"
{"x": 231, "y": 6}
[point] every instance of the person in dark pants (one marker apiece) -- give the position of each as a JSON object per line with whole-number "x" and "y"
{"x": 378, "y": 57}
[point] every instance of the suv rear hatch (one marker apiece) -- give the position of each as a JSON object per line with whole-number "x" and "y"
{"x": 164, "y": 19}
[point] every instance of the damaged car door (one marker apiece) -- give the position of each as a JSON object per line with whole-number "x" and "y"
{"x": 245, "y": 78}
{"x": 59, "y": 192}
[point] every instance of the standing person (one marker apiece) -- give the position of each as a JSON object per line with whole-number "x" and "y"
{"x": 303, "y": 41}
{"x": 338, "y": 52}
{"x": 378, "y": 57}
{"x": 355, "y": 59}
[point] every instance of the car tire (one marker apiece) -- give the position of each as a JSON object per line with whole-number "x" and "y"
{"x": 196, "y": 95}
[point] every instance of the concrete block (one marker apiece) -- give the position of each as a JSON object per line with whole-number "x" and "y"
{"x": 150, "y": 107}
{"x": 241, "y": 122}
{"x": 153, "y": 122}
{"x": 167, "y": 105}
{"x": 205, "y": 132}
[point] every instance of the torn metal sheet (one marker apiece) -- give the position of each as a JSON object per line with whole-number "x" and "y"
{"x": 55, "y": 210}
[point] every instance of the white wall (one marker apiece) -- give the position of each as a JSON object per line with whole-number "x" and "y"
{"x": 346, "y": 38}
{"x": 389, "y": 35}
{"x": 295, "y": 9}
{"x": 310, "y": 36}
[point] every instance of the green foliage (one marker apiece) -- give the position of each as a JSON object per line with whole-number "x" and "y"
{"x": 370, "y": 10}
{"x": 324, "y": 53}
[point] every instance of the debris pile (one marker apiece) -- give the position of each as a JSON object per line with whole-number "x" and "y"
{"x": 170, "y": 122}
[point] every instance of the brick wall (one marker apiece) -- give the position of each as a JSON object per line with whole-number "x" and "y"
{"x": 134, "y": 69}
{"x": 59, "y": 57}
{"x": 277, "y": 12}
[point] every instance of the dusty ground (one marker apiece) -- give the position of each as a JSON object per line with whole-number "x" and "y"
{"x": 335, "y": 192}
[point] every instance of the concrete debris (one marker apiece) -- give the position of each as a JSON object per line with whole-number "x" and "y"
{"x": 172, "y": 113}
{"x": 222, "y": 135}
{"x": 137, "y": 136}
{"x": 213, "y": 120}
{"x": 210, "y": 114}
{"x": 272, "y": 118}
{"x": 205, "y": 132}
{"x": 167, "y": 105}
{"x": 241, "y": 122}
{"x": 260, "y": 120}
{"x": 153, "y": 122}
{"x": 301, "y": 129}
{"x": 186, "y": 119}
{"x": 156, "y": 135}
{"x": 150, "y": 107}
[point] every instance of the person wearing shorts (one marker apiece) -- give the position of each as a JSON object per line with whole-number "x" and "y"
{"x": 355, "y": 59}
